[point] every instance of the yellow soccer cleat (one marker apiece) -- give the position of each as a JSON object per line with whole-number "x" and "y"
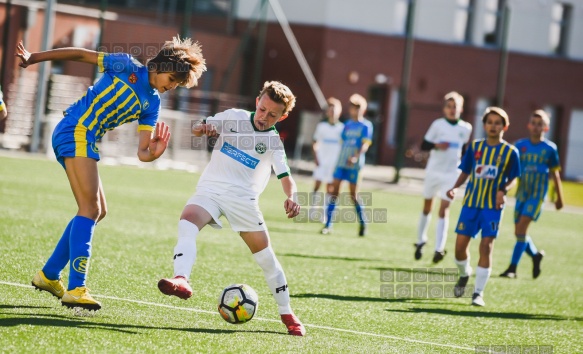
{"x": 55, "y": 287}
{"x": 79, "y": 297}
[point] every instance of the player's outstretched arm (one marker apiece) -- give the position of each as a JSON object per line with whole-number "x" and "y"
{"x": 460, "y": 180}
{"x": 292, "y": 208}
{"x": 73, "y": 54}
{"x": 558, "y": 188}
{"x": 152, "y": 146}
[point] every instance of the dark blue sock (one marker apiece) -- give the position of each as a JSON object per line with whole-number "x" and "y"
{"x": 58, "y": 260}
{"x": 519, "y": 248}
{"x": 80, "y": 250}
{"x": 531, "y": 249}
{"x": 330, "y": 212}
{"x": 359, "y": 213}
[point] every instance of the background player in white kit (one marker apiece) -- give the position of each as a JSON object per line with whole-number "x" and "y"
{"x": 326, "y": 148}
{"x": 445, "y": 139}
{"x": 238, "y": 171}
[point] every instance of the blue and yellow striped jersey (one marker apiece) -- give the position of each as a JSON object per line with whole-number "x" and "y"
{"x": 122, "y": 95}
{"x": 536, "y": 161}
{"x": 354, "y": 135}
{"x": 490, "y": 168}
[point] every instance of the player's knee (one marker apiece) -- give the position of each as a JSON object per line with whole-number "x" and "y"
{"x": 91, "y": 211}
{"x": 103, "y": 213}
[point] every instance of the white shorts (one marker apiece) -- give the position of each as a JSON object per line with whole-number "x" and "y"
{"x": 242, "y": 213}
{"x": 324, "y": 172}
{"x": 438, "y": 184}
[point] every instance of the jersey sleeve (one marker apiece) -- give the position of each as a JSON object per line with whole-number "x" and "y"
{"x": 467, "y": 162}
{"x": 318, "y": 132}
{"x": 218, "y": 120}
{"x": 514, "y": 165}
{"x": 431, "y": 134}
{"x": 114, "y": 62}
{"x": 279, "y": 162}
{"x": 554, "y": 162}
{"x": 149, "y": 116}
{"x": 367, "y": 136}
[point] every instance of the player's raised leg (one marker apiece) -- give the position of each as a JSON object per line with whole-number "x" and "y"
{"x": 258, "y": 243}
{"x": 192, "y": 220}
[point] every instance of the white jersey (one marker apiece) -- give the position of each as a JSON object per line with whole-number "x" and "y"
{"x": 456, "y": 134}
{"x": 242, "y": 157}
{"x": 329, "y": 142}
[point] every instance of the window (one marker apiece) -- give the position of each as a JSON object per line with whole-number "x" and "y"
{"x": 464, "y": 20}
{"x": 559, "y": 31}
{"x": 493, "y": 22}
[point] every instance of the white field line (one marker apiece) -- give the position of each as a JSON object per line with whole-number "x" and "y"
{"x": 266, "y": 320}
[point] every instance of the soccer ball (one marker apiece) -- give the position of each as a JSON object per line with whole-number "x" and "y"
{"x": 238, "y": 303}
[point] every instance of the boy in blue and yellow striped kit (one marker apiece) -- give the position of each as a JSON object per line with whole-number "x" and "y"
{"x": 539, "y": 158}
{"x": 127, "y": 91}
{"x": 492, "y": 165}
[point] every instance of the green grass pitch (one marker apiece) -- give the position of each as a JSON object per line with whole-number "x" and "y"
{"x": 337, "y": 282}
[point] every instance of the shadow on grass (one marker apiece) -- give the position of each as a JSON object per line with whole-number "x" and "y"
{"x": 63, "y": 321}
{"x": 371, "y": 299}
{"x": 503, "y": 315}
{"x": 351, "y": 259}
{"x": 14, "y": 307}
{"x": 418, "y": 270}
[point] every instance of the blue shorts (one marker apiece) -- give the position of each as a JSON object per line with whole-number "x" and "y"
{"x": 472, "y": 220}
{"x": 71, "y": 139}
{"x": 530, "y": 208}
{"x": 346, "y": 174}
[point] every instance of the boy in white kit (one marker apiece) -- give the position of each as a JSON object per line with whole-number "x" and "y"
{"x": 445, "y": 139}
{"x": 238, "y": 172}
{"x": 326, "y": 148}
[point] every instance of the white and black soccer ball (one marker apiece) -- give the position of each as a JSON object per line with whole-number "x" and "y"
{"x": 238, "y": 303}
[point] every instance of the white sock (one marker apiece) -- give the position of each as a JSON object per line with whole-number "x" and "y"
{"x": 482, "y": 276}
{"x": 441, "y": 236}
{"x": 423, "y": 226}
{"x": 275, "y": 278}
{"x": 185, "y": 250}
{"x": 464, "y": 267}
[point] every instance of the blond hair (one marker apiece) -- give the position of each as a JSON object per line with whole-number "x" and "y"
{"x": 456, "y": 97}
{"x": 333, "y": 101}
{"x": 183, "y": 57}
{"x": 498, "y": 111}
{"x": 359, "y": 101}
{"x": 542, "y": 115}
{"x": 279, "y": 93}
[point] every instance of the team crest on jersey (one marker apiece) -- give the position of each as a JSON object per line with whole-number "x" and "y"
{"x": 486, "y": 171}
{"x": 523, "y": 149}
{"x": 146, "y": 104}
{"x": 478, "y": 155}
{"x": 461, "y": 226}
{"x": 261, "y": 148}
{"x": 133, "y": 78}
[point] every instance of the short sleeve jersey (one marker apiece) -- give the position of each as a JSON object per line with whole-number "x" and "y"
{"x": 536, "y": 161}
{"x": 122, "y": 95}
{"x": 489, "y": 168}
{"x": 354, "y": 135}
{"x": 328, "y": 137}
{"x": 243, "y": 156}
{"x": 443, "y": 131}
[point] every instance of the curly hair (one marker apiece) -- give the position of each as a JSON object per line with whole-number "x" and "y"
{"x": 182, "y": 57}
{"x": 279, "y": 93}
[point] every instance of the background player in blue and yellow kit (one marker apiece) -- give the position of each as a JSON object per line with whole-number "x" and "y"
{"x": 126, "y": 92}
{"x": 539, "y": 158}
{"x": 356, "y": 139}
{"x": 492, "y": 165}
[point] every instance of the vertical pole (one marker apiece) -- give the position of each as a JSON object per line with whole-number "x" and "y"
{"x": 503, "y": 63}
{"x": 403, "y": 104}
{"x": 260, "y": 46}
{"x": 43, "y": 74}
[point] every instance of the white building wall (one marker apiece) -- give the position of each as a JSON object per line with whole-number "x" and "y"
{"x": 436, "y": 20}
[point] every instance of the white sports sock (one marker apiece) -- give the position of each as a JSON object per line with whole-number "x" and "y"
{"x": 423, "y": 226}
{"x": 464, "y": 267}
{"x": 482, "y": 276}
{"x": 185, "y": 250}
{"x": 275, "y": 278}
{"x": 441, "y": 235}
